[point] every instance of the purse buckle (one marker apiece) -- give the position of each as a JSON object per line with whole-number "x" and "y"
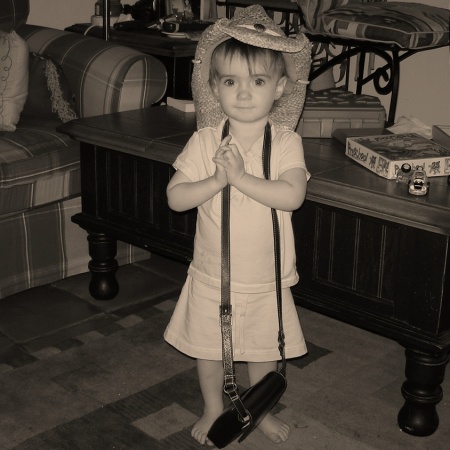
{"x": 230, "y": 386}
{"x": 225, "y": 315}
{"x": 225, "y": 310}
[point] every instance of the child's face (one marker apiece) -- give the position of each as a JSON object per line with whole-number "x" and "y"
{"x": 243, "y": 96}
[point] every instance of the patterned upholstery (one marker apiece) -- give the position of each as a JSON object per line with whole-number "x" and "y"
{"x": 104, "y": 77}
{"x": 43, "y": 245}
{"x": 313, "y": 9}
{"x": 13, "y": 13}
{"x": 39, "y": 167}
{"x": 408, "y": 25}
{"x": 36, "y": 162}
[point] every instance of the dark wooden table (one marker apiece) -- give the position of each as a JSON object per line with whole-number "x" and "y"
{"x": 175, "y": 53}
{"x": 368, "y": 253}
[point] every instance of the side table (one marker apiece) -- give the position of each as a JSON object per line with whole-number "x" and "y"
{"x": 175, "y": 53}
{"x": 126, "y": 165}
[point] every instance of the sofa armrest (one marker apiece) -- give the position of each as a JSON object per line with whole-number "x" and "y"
{"x": 104, "y": 77}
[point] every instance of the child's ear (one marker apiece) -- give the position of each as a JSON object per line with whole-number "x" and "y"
{"x": 281, "y": 84}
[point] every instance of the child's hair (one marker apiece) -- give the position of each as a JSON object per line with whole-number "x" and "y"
{"x": 271, "y": 60}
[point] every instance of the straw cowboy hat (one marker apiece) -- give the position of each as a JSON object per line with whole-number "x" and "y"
{"x": 252, "y": 26}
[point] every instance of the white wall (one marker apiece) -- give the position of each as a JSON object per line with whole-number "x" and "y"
{"x": 61, "y": 13}
{"x": 424, "y": 79}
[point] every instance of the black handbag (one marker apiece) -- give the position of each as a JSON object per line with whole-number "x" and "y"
{"x": 246, "y": 411}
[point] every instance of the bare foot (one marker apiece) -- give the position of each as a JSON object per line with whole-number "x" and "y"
{"x": 274, "y": 429}
{"x": 201, "y": 428}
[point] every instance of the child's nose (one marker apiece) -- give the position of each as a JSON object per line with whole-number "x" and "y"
{"x": 244, "y": 92}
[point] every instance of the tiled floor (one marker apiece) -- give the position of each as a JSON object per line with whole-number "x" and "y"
{"x": 35, "y": 318}
{"x": 78, "y": 373}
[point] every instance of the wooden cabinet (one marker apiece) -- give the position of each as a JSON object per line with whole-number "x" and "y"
{"x": 389, "y": 271}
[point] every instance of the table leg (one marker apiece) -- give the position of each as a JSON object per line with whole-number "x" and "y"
{"x": 103, "y": 266}
{"x": 422, "y": 392}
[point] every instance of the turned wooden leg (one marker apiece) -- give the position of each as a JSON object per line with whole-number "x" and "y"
{"x": 422, "y": 392}
{"x": 103, "y": 266}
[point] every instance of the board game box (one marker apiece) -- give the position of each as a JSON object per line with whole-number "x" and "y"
{"x": 385, "y": 154}
{"x": 441, "y": 135}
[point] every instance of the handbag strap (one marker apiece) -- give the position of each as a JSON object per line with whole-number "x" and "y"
{"x": 277, "y": 249}
{"x": 230, "y": 386}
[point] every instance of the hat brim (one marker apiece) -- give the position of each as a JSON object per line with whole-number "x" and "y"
{"x": 252, "y": 26}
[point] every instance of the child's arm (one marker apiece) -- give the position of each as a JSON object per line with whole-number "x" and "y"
{"x": 286, "y": 194}
{"x": 184, "y": 194}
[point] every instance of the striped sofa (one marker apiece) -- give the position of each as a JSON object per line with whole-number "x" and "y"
{"x": 39, "y": 167}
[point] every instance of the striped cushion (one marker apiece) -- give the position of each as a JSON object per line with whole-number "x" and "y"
{"x": 40, "y": 192}
{"x": 313, "y": 9}
{"x": 37, "y": 165}
{"x": 409, "y": 25}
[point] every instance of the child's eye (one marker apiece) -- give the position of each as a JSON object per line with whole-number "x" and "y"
{"x": 259, "y": 82}
{"x": 228, "y": 82}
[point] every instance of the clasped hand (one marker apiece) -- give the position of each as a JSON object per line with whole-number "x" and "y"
{"x": 229, "y": 163}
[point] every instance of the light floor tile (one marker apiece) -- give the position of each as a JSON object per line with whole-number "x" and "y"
{"x": 166, "y": 421}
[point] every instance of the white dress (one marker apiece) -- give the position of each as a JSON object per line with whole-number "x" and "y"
{"x": 194, "y": 328}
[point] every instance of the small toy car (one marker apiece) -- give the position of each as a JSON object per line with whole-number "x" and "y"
{"x": 418, "y": 183}
{"x": 404, "y": 173}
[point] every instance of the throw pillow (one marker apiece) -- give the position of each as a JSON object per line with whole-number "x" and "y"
{"x": 13, "y": 79}
{"x": 408, "y": 25}
{"x": 313, "y": 9}
{"x": 49, "y": 93}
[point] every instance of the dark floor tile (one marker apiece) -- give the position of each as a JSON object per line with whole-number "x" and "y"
{"x": 38, "y": 442}
{"x": 110, "y": 329}
{"x": 67, "y": 344}
{"x": 16, "y": 356}
{"x": 181, "y": 440}
{"x": 182, "y": 388}
{"x": 137, "y": 283}
{"x": 81, "y": 378}
{"x": 35, "y": 312}
{"x": 165, "y": 267}
{"x": 98, "y": 322}
{"x": 140, "y": 404}
{"x": 146, "y": 308}
{"x": 100, "y": 430}
{"x": 5, "y": 342}
{"x": 314, "y": 353}
{"x": 149, "y": 331}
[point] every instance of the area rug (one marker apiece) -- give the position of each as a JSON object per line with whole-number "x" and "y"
{"x": 121, "y": 387}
